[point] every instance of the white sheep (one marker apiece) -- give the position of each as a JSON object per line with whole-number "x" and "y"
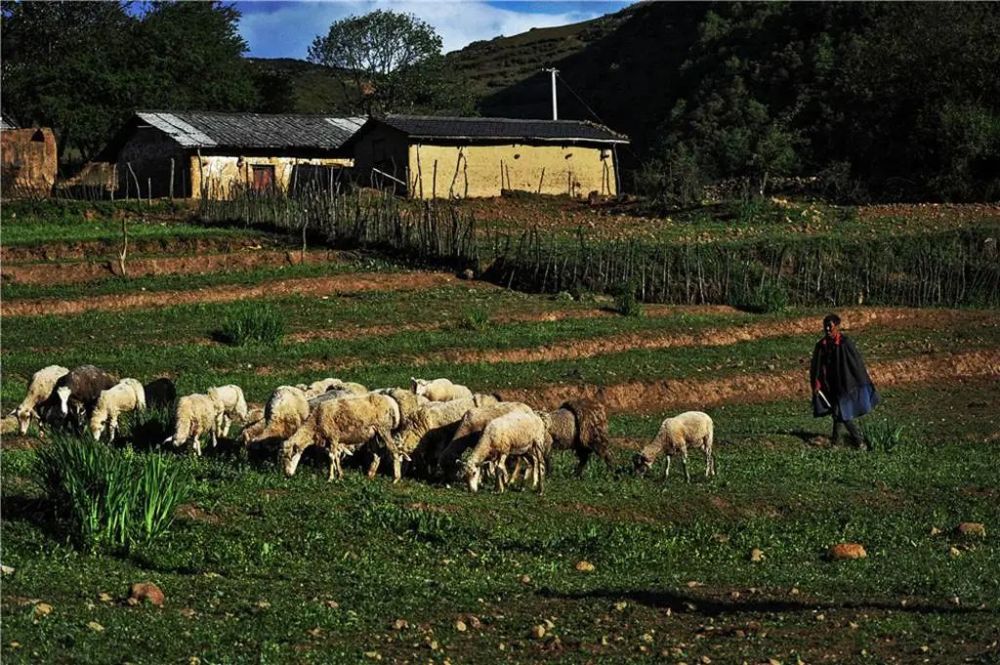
{"x": 231, "y": 405}
{"x": 691, "y": 429}
{"x": 40, "y": 388}
{"x": 469, "y": 430}
{"x": 195, "y": 415}
{"x": 439, "y": 390}
{"x": 317, "y": 388}
{"x": 286, "y": 409}
{"x": 426, "y": 432}
{"x": 514, "y": 434}
{"x": 341, "y": 427}
{"x": 126, "y": 395}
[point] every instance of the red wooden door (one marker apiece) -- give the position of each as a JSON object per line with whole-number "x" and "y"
{"x": 263, "y": 177}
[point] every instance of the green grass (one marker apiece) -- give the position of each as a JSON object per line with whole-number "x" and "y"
{"x": 265, "y": 555}
{"x": 47, "y": 231}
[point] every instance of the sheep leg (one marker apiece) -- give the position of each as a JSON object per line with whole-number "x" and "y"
{"x": 666, "y": 472}
{"x": 197, "y": 446}
{"x": 373, "y": 467}
{"x": 709, "y": 463}
{"x": 397, "y": 468}
{"x": 112, "y": 428}
{"x": 540, "y": 474}
{"x": 225, "y": 424}
{"x": 684, "y": 461}
{"x": 334, "y": 459}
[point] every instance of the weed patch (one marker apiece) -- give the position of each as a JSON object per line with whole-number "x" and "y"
{"x": 252, "y": 323}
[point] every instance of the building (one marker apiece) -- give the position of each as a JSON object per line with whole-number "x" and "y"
{"x": 195, "y": 154}
{"x": 29, "y": 160}
{"x": 434, "y": 157}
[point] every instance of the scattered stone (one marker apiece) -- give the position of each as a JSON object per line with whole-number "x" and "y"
{"x": 935, "y": 531}
{"x": 621, "y": 605}
{"x": 705, "y": 660}
{"x": 374, "y": 655}
{"x": 694, "y": 585}
{"x": 6, "y": 570}
{"x": 187, "y": 612}
{"x": 735, "y": 595}
{"x": 146, "y": 591}
{"x": 538, "y": 632}
{"x": 845, "y": 551}
{"x": 721, "y": 538}
{"x": 853, "y": 626}
{"x": 971, "y": 529}
{"x": 585, "y": 566}
{"x": 525, "y": 579}
{"x": 756, "y": 555}
{"x": 332, "y": 604}
{"x": 820, "y": 617}
{"x": 549, "y": 624}
{"x": 954, "y": 600}
{"x": 474, "y": 622}
{"x": 468, "y": 273}
{"x": 96, "y": 627}
{"x": 954, "y": 552}
{"x": 42, "y": 609}
{"x": 263, "y": 604}
{"x": 647, "y": 638}
{"x": 400, "y": 624}
{"x": 460, "y": 626}
{"x": 104, "y": 597}
{"x": 924, "y": 649}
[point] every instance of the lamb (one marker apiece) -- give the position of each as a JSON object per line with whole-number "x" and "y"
{"x": 469, "y": 430}
{"x": 160, "y": 393}
{"x": 195, "y": 415}
{"x": 231, "y": 404}
{"x": 439, "y": 390}
{"x": 676, "y": 435}
{"x": 126, "y": 395}
{"x": 81, "y": 387}
{"x": 41, "y": 386}
{"x": 427, "y": 431}
{"x": 341, "y": 427}
{"x": 580, "y": 425}
{"x": 516, "y": 433}
{"x": 284, "y": 413}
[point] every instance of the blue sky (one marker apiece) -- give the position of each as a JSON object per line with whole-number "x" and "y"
{"x": 285, "y": 29}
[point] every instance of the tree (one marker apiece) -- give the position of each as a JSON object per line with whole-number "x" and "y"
{"x": 381, "y": 54}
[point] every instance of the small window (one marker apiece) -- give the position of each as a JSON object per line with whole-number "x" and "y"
{"x": 263, "y": 177}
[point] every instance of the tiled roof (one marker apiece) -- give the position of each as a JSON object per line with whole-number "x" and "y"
{"x": 502, "y": 128}
{"x": 252, "y": 130}
{"x": 7, "y": 123}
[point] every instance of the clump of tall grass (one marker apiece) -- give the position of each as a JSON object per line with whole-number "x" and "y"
{"x": 884, "y": 435}
{"x": 108, "y": 497}
{"x": 251, "y": 323}
{"x": 626, "y": 302}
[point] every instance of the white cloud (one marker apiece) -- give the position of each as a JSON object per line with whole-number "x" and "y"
{"x": 288, "y": 30}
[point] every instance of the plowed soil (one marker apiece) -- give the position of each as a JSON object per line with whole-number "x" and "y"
{"x": 318, "y": 286}
{"x": 91, "y": 249}
{"x": 79, "y": 272}
{"x": 647, "y": 397}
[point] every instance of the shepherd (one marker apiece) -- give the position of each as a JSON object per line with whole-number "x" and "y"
{"x": 840, "y": 383}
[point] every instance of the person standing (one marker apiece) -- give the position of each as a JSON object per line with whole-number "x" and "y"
{"x": 840, "y": 383}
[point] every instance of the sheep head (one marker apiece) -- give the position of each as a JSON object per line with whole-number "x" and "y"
{"x": 472, "y": 475}
{"x": 418, "y": 386}
{"x": 97, "y": 422}
{"x": 641, "y": 463}
{"x": 24, "y": 416}
{"x": 64, "y": 393}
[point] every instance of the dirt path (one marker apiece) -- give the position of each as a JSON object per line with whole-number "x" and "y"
{"x": 80, "y": 272}
{"x": 654, "y": 396}
{"x": 318, "y": 286}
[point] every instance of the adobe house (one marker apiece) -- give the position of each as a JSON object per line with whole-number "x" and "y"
{"x": 195, "y": 154}
{"x": 30, "y": 160}
{"x": 434, "y": 157}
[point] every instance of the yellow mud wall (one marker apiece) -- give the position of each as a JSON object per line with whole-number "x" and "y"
{"x": 484, "y": 170}
{"x": 222, "y": 172}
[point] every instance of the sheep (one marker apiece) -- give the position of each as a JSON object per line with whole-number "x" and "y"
{"x": 427, "y": 431}
{"x": 341, "y": 427}
{"x": 41, "y": 386}
{"x": 195, "y": 415}
{"x": 286, "y": 409}
{"x": 676, "y": 435}
{"x": 439, "y": 390}
{"x": 126, "y": 395}
{"x": 81, "y": 387}
{"x": 160, "y": 393}
{"x": 516, "y": 433}
{"x": 231, "y": 404}
{"x": 317, "y": 388}
{"x": 469, "y": 431}
{"x": 580, "y": 425}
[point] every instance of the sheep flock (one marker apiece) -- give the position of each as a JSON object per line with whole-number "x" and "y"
{"x": 434, "y": 429}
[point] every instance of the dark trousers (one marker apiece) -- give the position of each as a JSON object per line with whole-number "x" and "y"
{"x": 839, "y": 424}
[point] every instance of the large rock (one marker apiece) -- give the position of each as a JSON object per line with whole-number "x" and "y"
{"x": 145, "y": 591}
{"x": 842, "y": 551}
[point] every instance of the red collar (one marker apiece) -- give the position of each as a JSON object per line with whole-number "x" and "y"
{"x": 836, "y": 340}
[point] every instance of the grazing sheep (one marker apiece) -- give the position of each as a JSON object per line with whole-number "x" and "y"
{"x": 341, "y": 427}
{"x": 231, "y": 404}
{"x": 580, "y": 425}
{"x": 676, "y": 435}
{"x": 42, "y": 384}
{"x": 80, "y": 389}
{"x": 513, "y": 434}
{"x": 160, "y": 393}
{"x": 285, "y": 411}
{"x": 426, "y": 432}
{"x": 468, "y": 433}
{"x": 195, "y": 415}
{"x": 126, "y": 395}
{"x": 408, "y": 402}
{"x": 484, "y": 399}
{"x": 439, "y": 390}
{"x": 317, "y": 388}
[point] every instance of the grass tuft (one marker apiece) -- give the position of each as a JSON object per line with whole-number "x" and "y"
{"x": 884, "y": 435}
{"x": 252, "y": 323}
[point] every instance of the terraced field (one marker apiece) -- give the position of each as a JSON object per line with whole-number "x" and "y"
{"x": 263, "y": 568}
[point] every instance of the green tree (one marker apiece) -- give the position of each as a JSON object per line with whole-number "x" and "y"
{"x": 382, "y": 54}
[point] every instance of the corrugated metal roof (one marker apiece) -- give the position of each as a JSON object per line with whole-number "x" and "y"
{"x": 7, "y": 123}
{"x": 502, "y": 128}
{"x": 193, "y": 129}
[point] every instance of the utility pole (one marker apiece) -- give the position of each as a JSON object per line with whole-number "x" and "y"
{"x": 555, "y": 106}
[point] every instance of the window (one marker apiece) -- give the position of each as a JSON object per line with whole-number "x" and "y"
{"x": 263, "y": 177}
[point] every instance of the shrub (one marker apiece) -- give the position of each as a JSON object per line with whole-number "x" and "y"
{"x": 110, "y": 497}
{"x": 767, "y": 298}
{"x": 884, "y": 435}
{"x": 626, "y": 302}
{"x": 475, "y": 320}
{"x": 251, "y": 323}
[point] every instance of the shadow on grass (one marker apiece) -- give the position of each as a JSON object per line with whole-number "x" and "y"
{"x": 711, "y": 606}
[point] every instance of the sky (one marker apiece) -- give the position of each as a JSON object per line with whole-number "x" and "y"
{"x": 285, "y": 29}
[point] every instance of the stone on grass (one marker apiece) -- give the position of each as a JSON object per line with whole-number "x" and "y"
{"x": 585, "y": 566}
{"x": 844, "y": 551}
{"x": 973, "y": 529}
{"x": 145, "y": 592}
{"x": 460, "y": 626}
{"x": 6, "y": 570}
{"x": 954, "y": 552}
{"x": 538, "y": 631}
{"x": 756, "y": 555}
{"x": 42, "y": 609}
{"x": 94, "y": 626}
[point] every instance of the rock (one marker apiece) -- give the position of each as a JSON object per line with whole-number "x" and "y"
{"x": 146, "y": 591}
{"x": 374, "y": 655}
{"x": 104, "y": 597}
{"x": 400, "y": 624}
{"x": 525, "y": 579}
{"x": 954, "y": 552}
{"x": 96, "y": 627}
{"x": 971, "y": 529}
{"x": 935, "y": 531}
{"x": 538, "y": 632}
{"x": 468, "y": 273}
{"x": 621, "y": 605}
{"x": 694, "y": 585}
{"x": 332, "y": 604}
{"x": 843, "y": 551}
{"x": 585, "y": 566}
{"x": 647, "y": 638}
{"x": 756, "y": 555}
{"x": 42, "y": 609}
{"x": 460, "y": 626}
{"x": 6, "y": 570}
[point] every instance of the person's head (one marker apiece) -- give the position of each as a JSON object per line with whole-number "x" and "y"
{"x": 831, "y": 325}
